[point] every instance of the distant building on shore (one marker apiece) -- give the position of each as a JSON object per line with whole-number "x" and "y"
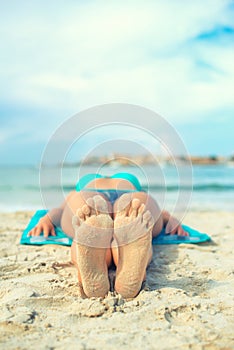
{"x": 116, "y": 159}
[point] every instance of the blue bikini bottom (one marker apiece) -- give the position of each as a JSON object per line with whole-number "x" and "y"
{"x": 111, "y": 194}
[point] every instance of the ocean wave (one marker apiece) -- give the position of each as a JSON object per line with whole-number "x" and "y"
{"x": 195, "y": 187}
{"x": 152, "y": 187}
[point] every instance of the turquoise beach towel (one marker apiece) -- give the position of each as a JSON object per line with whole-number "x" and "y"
{"x": 62, "y": 239}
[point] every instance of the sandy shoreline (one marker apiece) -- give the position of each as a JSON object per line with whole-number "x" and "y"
{"x": 187, "y": 302}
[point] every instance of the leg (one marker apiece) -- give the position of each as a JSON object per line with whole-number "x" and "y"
{"x": 93, "y": 234}
{"x": 74, "y": 202}
{"x": 150, "y": 204}
{"x": 93, "y": 230}
{"x": 133, "y": 228}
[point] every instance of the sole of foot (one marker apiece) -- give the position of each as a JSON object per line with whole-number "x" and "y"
{"x": 93, "y": 233}
{"x": 133, "y": 234}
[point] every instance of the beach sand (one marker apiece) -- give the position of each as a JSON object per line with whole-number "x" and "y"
{"x": 186, "y": 303}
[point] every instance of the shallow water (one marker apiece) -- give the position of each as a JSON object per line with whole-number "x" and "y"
{"x": 213, "y": 185}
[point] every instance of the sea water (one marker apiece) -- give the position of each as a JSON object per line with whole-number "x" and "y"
{"x": 207, "y": 187}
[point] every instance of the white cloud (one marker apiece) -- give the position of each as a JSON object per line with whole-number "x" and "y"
{"x": 169, "y": 86}
{"x": 131, "y": 51}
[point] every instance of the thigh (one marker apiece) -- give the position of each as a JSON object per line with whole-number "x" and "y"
{"x": 150, "y": 204}
{"x": 77, "y": 200}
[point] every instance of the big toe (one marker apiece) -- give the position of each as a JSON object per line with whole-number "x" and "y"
{"x": 90, "y": 203}
{"x": 135, "y": 207}
{"x": 123, "y": 205}
{"x": 100, "y": 205}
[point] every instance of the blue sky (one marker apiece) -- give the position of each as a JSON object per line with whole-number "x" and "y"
{"x": 60, "y": 57}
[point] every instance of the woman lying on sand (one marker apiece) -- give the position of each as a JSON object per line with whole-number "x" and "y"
{"x": 111, "y": 220}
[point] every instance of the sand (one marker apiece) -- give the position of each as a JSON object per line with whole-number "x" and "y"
{"x": 187, "y": 301}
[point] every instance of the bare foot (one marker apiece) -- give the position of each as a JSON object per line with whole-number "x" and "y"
{"x": 93, "y": 233}
{"x": 133, "y": 234}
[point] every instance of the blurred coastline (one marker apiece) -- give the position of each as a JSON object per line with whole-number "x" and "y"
{"x": 128, "y": 160}
{"x": 211, "y": 185}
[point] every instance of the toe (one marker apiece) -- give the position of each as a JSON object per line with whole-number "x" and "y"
{"x": 123, "y": 205}
{"x": 100, "y": 205}
{"x": 135, "y": 204}
{"x": 80, "y": 214}
{"x": 86, "y": 211}
{"x": 122, "y": 213}
{"x": 90, "y": 203}
{"x": 148, "y": 219}
{"x": 141, "y": 209}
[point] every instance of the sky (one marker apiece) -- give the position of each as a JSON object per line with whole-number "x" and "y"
{"x": 58, "y": 58}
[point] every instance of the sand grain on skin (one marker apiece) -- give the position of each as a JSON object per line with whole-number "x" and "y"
{"x": 187, "y": 302}
{"x": 133, "y": 235}
{"x": 93, "y": 233}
